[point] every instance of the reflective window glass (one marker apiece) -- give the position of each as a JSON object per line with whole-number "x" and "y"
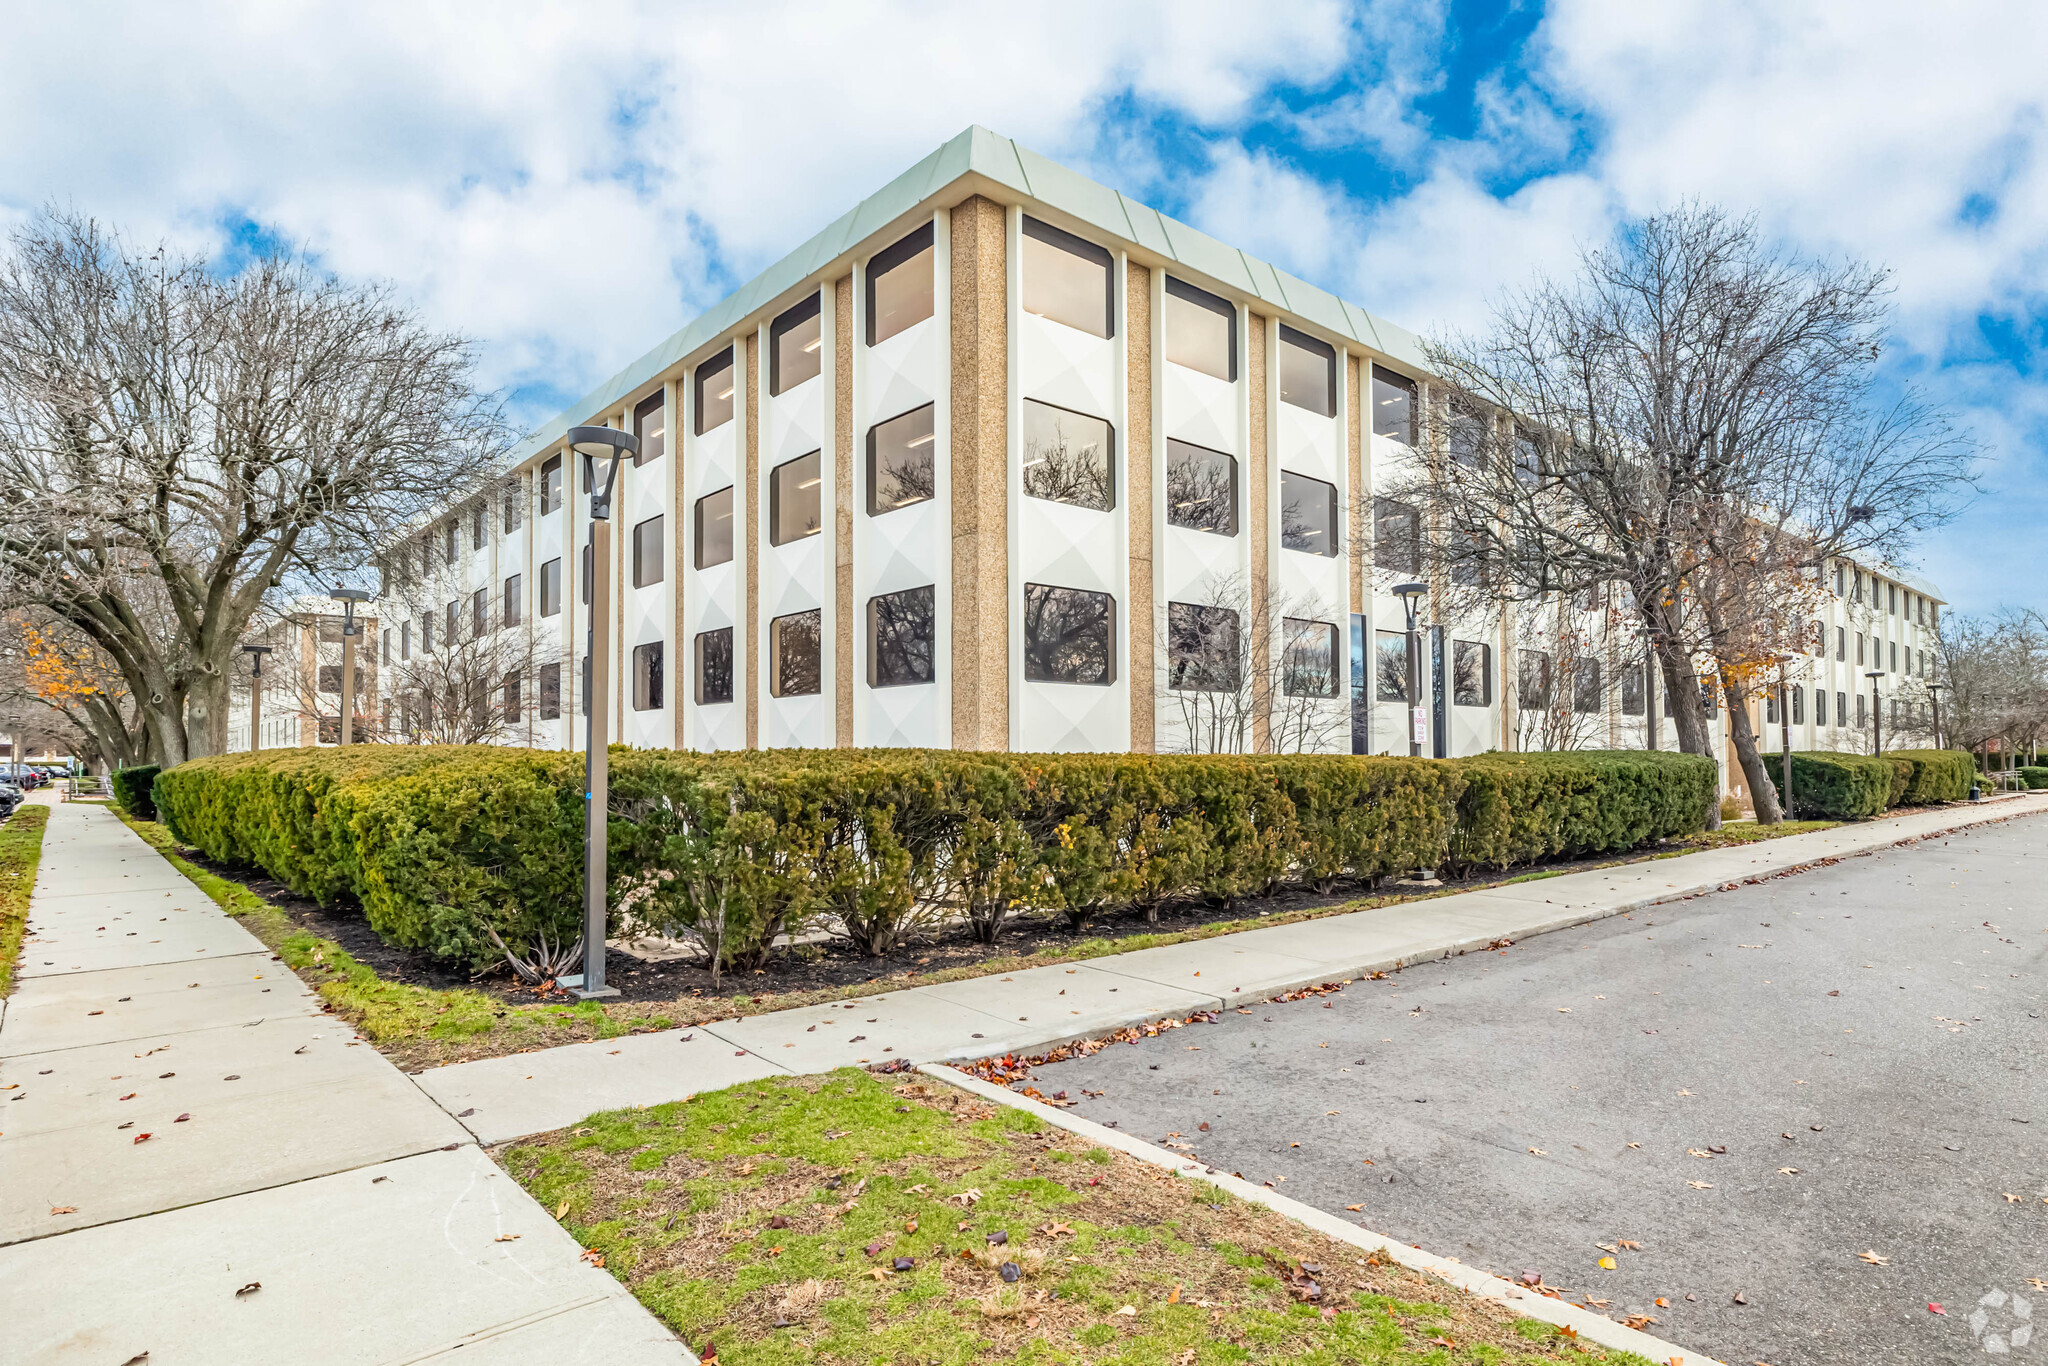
{"x": 714, "y": 528}
{"x": 715, "y": 381}
{"x": 900, "y": 637}
{"x": 1201, "y": 489}
{"x": 795, "y": 504}
{"x": 1308, "y": 514}
{"x": 901, "y": 470}
{"x": 1069, "y": 635}
{"x": 1068, "y": 457}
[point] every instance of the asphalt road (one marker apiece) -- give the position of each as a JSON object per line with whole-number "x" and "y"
{"x": 1879, "y": 1026}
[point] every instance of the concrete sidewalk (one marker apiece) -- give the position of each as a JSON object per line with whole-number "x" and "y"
{"x": 198, "y": 1165}
{"x": 526, "y": 1093}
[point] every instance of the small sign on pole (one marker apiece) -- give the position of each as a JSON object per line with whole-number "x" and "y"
{"x": 1420, "y": 716}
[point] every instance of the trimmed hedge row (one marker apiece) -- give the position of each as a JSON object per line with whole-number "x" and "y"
{"x": 442, "y": 845}
{"x": 132, "y": 790}
{"x": 1852, "y": 787}
{"x": 2034, "y": 777}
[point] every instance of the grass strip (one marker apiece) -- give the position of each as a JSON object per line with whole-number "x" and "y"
{"x": 21, "y": 852}
{"x": 415, "y": 1024}
{"x": 840, "y": 1218}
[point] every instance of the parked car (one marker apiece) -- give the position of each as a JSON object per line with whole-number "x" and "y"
{"x": 10, "y": 797}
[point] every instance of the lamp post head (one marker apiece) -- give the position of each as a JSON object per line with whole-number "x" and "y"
{"x": 349, "y": 597}
{"x": 256, "y": 653}
{"x": 611, "y": 445}
{"x": 1873, "y": 675}
{"x": 1411, "y": 595}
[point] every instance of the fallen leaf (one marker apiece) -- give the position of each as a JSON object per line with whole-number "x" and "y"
{"x": 1128, "y": 1311}
{"x": 181, "y": 1119}
{"x": 1630, "y": 1244}
{"x": 63, "y": 1209}
{"x": 1874, "y": 1258}
{"x": 1174, "y": 1296}
{"x": 249, "y": 1289}
{"x": 1539, "y": 1152}
{"x": 1606, "y": 1263}
{"x": 142, "y": 1138}
{"x": 1354, "y": 1208}
{"x": 507, "y": 1238}
{"x": 1788, "y": 1171}
{"x": 1700, "y": 1185}
{"x": 593, "y": 1256}
{"x": 561, "y": 1209}
{"x": 1933, "y": 1308}
{"x": 2012, "y": 1199}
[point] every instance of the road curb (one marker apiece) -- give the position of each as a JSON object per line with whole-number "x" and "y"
{"x": 1587, "y": 1324}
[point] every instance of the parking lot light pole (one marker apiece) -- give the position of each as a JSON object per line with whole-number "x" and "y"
{"x": 349, "y": 597}
{"x": 255, "y": 653}
{"x": 1876, "y": 713}
{"x": 1411, "y": 595}
{"x": 1785, "y": 731}
{"x": 605, "y": 447}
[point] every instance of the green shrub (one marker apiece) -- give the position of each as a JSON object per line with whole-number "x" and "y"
{"x": 1842, "y": 787}
{"x": 132, "y": 790}
{"x": 446, "y": 847}
{"x": 2032, "y": 777}
{"x": 1939, "y": 775}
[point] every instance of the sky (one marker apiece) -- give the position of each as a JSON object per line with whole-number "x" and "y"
{"x": 569, "y": 184}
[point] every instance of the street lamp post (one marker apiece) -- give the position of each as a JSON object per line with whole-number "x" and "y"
{"x": 1934, "y": 692}
{"x": 1785, "y": 730}
{"x": 1650, "y": 682}
{"x": 349, "y": 597}
{"x": 255, "y": 653}
{"x": 1876, "y": 713}
{"x": 1411, "y": 595}
{"x": 608, "y": 446}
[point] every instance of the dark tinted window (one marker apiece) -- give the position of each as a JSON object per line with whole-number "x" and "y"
{"x": 714, "y": 666}
{"x": 550, "y": 692}
{"x": 515, "y": 597}
{"x": 1202, "y": 653}
{"x": 795, "y": 654}
{"x": 900, "y": 636}
{"x": 1069, "y": 635}
{"x": 1390, "y": 666}
{"x": 647, "y": 664}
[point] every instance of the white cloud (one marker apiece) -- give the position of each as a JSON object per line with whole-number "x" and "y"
{"x": 571, "y": 183}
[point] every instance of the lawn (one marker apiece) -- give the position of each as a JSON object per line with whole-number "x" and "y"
{"x": 840, "y": 1218}
{"x": 21, "y": 849}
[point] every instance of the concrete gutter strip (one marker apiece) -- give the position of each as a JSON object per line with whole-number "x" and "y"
{"x": 1587, "y": 1324}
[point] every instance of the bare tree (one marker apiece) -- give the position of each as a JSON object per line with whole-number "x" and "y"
{"x": 1250, "y": 672}
{"x": 177, "y": 445}
{"x": 1995, "y": 672}
{"x": 1639, "y": 424}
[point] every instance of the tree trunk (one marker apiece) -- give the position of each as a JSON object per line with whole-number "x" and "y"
{"x": 1763, "y": 793}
